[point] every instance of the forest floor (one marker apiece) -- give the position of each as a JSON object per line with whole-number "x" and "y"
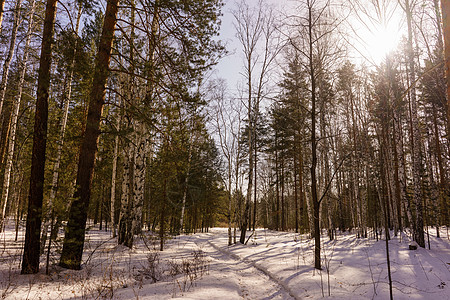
{"x": 273, "y": 265}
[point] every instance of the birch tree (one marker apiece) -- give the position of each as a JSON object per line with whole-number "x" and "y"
{"x": 255, "y": 29}
{"x": 15, "y": 115}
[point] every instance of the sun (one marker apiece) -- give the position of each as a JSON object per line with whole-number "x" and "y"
{"x": 381, "y": 41}
{"x": 378, "y": 30}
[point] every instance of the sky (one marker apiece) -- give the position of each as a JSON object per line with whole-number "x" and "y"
{"x": 373, "y": 45}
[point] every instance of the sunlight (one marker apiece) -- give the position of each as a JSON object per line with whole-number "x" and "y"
{"x": 382, "y": 41}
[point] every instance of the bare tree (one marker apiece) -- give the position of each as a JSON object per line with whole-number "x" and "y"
{"x": 226, "y": 117}
{"x": 256, "y": 30}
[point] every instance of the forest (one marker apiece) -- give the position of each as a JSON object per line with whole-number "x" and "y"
{"x": 115, "y": 115}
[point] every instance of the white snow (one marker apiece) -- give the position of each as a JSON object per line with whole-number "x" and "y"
{"x": 274, "y": 265}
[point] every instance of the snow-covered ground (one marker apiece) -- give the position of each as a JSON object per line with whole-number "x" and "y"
{"x": 274, "y": 265}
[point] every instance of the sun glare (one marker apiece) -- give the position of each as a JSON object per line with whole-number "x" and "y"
{"x": 381, "y": 42}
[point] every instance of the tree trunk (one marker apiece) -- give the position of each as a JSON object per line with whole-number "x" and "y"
{"x": 415, "y": 135}
{"x": 185, "y": 189}
{"x": 74, "y": 238}
{"x": 125, "y": 197}
{"x": 315, "y": 200}
{"x": 445, "y": 6}
{"x": 139, "y": 179}
{"x": 15, "y": 115}
{"x": 62, "y": 131}
{"x": 30, "y": 262}
{"x": 12, "y": 48}
{"x": 2, "y": 10}
{"x": 113, "y": 181}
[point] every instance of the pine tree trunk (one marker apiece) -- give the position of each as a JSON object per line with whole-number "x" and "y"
{"x": 445, "y": 5}
{"x": 443, "y": 184}
{"x": 74, "y": 239}
{"x": 30, "y": 262}
{"x": 2, "y": 10}
{"x": 62, "y": 131}
{"x": 15, "y": 115}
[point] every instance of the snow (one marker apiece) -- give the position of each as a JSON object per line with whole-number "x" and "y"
{"x": 273, "y": 265}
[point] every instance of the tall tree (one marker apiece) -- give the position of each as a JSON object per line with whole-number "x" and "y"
{"x": 15, "y": 115}
{"x": 415, "y": 139}
{"x": 62, "y": 130}
{"x": 445, "y": 6}
{"x": 75, "y": 232}
{"x": 255, "y": 27}
{"x": 30, "y": 262}
{"x": 10, "y": 55}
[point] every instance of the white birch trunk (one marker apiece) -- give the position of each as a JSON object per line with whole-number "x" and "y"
{"x": 415, "y": 134}
{"x": 183, "y": 204}
{"x": 139, "y": 179}
{"x": 9, "y": 57}
{"x": 125, "y": 195}
{"x": 14, "y": 118}
{"x": 113, "y": 181}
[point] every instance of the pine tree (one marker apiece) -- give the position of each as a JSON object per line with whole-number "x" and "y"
{"x": 30, "y": 262}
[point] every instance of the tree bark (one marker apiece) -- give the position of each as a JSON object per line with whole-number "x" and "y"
{"x": 445, "y": 6}
{"x": 415, "y": 134}
{"x": 30, "y": 262}
{"x": 113, "y": 181}
{"x": 62, "y": 131}
{"x": 6, "y": 67}
{"x": 2, "y": 10}
{"x": 74, "y": 239}
{"x": 15, "y": 114}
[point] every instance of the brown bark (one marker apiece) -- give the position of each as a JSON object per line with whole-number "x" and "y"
{"x": 74, "y": 238}
{"x": 30, "y": 262}
{"x": 445, "y": 6}
{"x": 2, "y": 9}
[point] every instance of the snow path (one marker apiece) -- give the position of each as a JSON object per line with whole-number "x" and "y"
{"x": 251, "y": 277}
{"x": 274, "y": 265}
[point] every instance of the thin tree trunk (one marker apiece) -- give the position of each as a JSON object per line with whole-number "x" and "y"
{"x": 295, "y": 183}
{"x": 315, "y": 200}
{"x": 113, "y": 180}
{"x": 12, "y": 48}
{"x": 15, "y": 115}
{"x": 185, "y": 189}
{"x": 75, "y": 233}
{"x": 6, "y": 113}
{"x": 2, "y": 10}
{"x": 139, "y": 179}
{"x": 415, "y": 135}
{"x": 445, "y": 5}
{"x": 255, "y": 186}
{"x": 125, "y": 197}
{"x": 442, "y": 175}
{"x": 62, "y": 131}
{"x": 30, "y": 262}
{"x": 250, "y": 116}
